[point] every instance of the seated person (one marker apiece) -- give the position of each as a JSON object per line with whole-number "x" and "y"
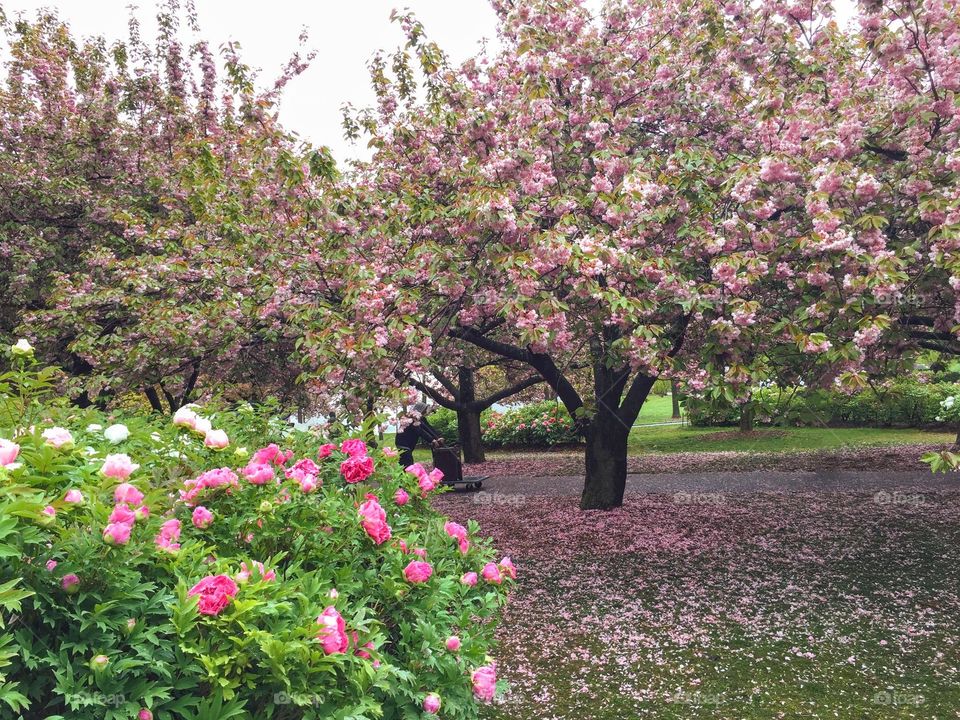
{"x": 417, "y": 430}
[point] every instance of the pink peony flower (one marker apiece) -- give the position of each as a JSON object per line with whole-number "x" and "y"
{"x": 171, "y": 529}
{"x": 127, "y": 493}
{"x": 216, "y": 439}
{"x": 118, "y": 466}
{"x": 484, "y": 680}
{"x": 8, "y": 452}
{"x": 391, "y": 453}
{"x": 374, "y": 520}
{"x": 453, "y": 643}
{"x": 50, "y": 511}
{"x": 58, "y": 437}
{"x": 70, "y": 583}
{"x": 431, "y": 703}
{"x": 302, "y": 470}
{"x": 417, "y": 470}
{"x": 420, "y": 552}
{"x": 271, "y": 454}
{"x": 142, "y": 512}
{"x": 122, "y": 514}
{"x": 215, "y": 593}
{"x": 325, "y": 450}
{"x": 221, "y": 477}
{"x": 491, "y": 573}
{"x": 201, "y": 517}
{"x": 258, "y": 473}
{"x": 309, "y": 484}
{"x": 354, "y": 447}
{"x": 469, "y": 578}
{"x": 401, "y": 497}
{"x": 245, "y": 573}
{"x": 356, "y": 468}
{"x": 73, "y": 497}
{"x": 508, "y": 568}
{"x": 51, "y": 565}
{"x": 333, "y": 631}
{"x": 166, "y": 544}
{"x": 117, "y": 534}
{"x": 455, "y": 530}
{"x": 185, "y": 417}
{"x": 144, "y": 714}
{"x": 418, "y": 571}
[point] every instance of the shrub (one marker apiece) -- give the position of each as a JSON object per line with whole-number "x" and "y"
{"x": 540, "y": 424}
{"x": 905, "y": 403}
{"x": 444, "y": 421}
{"x": 205, "y": 583}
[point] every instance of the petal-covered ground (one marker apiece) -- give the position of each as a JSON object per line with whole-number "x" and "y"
{"x": 729, "y": 605}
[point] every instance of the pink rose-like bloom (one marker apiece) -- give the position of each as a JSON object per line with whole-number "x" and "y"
{"x": 401, "y": 497}
{"x": 127, "y": 493}
{"x": 51, "y": 564}
{"x": 8, "y": 452}
{"x": 144, "y": 714}
{"x": 325, "y": 450}
{"x": 215, "y": 593}
{"x": 354, "y": 447}
{"x": 453, "y": 643}
{"x": 356, "y": 468}
{"x": 431, "y": 704}
{"x": 373, "y": 518}
{"x": 117, "y": 534}
{"x": 58, "y": 437}
{"x": 508, "y": 568}
{"x": 258, "y": 473}
{"x": 308, "y": 484}
{"x": 469, "y": 578}
{"x": 50, "y": 511}
{"x": 70, "y": 582}
{"x": 142, "y": 512}
{"x": 420, "y": 552}
{"x": 166, "y": 544}
{"x": 390, "y": 453}
{"x": 484, "y": 680}
{"x": 491, "y": 573}
{"x": 333, "y": 631}
{"x": 418, "y": 571}
{"x": 122, "y": 514}
{"x": 201, "y": 517}
{"x": 246, "y": 573}
{"x": 417, "y": 470}
{"x": 302, "y": 470}
{"x": 216, "y": 439}
{"x": 73, "y": 497}
{"x": 118, "y": 466}
{"x": 166, "y": 540}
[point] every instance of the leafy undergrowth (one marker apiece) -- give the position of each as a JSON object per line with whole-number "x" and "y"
{"x": 829, "y": 605}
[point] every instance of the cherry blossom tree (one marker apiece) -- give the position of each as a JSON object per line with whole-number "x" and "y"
{"x": 151, "y": 206}
{"x": 672, "y": 189}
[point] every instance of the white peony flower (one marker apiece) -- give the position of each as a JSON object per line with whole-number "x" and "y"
{"x": 94, "y": 427}
{"x": 22, "y": 347}
{"x": 116, "y": 433}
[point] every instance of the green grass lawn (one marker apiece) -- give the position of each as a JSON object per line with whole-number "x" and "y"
{"x": 676, "y": 439}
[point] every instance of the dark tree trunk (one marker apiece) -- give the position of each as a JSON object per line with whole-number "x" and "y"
{"x": 468, "y": 420}
{"x": 606, "y": 462}
{"x": 746, "y": 418}
{"x": 471, "y": 442}
{"x": 154, "y": 398}
{"x": 675, "y": 396}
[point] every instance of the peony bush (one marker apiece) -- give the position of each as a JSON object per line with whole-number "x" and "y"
{"x": 152, "y": 573}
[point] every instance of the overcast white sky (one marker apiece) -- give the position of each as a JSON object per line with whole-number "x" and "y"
{"x": 346, "y": 34}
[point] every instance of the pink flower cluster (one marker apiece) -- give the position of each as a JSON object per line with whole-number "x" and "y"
{"x": 221, "y": 477}
{"x": 122, "y": 518}
{"x": 459, "y": 533}
{"x": 306, "y": 473}
{"x": 427, "y": 481}
{"x": 168, "y": 537}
